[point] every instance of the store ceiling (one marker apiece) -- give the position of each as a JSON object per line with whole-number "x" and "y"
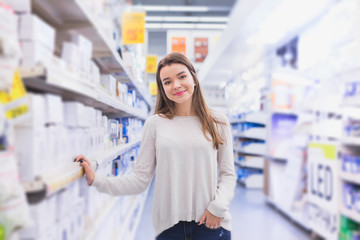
{"x": 186, "y": 14}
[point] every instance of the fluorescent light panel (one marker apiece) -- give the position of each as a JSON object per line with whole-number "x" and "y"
{"x": 159, "y": 8}
{"x": 186, "y": 19}
{"x": 183, "y": 26}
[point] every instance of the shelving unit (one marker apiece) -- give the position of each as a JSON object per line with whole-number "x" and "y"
{"x": 50, "y": 79}
{"x": 250, "y": 127}
{"x": 253, "y": 149}
{"x": 80, "y": 85}
{"x": 52, "y": 182}
{"x": 73, "y": 14}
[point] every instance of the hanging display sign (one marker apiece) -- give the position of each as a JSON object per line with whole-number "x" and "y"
{"x": 178, "y": 44}
{"x": 133, "y": 27}
{"x": 14, "y": 101}
{"x": 322, "y": 184}
{"x": 151, "y": 62}
{"x": 153, "y": 88}
{"x": 201, "y": 49}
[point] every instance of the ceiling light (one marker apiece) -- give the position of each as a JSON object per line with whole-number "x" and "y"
{"x": 186, "y": 19}
{"x": 159, "y": 8}
{"x": 183, "y": 26}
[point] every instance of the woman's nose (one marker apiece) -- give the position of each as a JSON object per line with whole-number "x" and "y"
{"x": 176, "y": 84}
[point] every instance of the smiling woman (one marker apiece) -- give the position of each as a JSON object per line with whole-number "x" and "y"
{"x": 190, "y": 148}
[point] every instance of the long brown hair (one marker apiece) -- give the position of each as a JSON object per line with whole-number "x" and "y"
{"x": 166, "y": 107}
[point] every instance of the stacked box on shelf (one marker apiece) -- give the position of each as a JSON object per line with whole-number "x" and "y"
{"x": 37, "y": 40}
{"x": 249, "y": 139}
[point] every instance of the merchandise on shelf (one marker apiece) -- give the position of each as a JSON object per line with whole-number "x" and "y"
{"x": 349, "y": 229}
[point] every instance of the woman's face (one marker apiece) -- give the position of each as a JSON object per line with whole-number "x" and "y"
{"x": 177, "y": 82}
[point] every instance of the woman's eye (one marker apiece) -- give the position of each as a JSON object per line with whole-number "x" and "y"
{"x": 183, "y": 76}
{"x": 167, "y": 83}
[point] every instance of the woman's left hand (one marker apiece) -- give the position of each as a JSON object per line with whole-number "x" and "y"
{"x": 210, "y": 220}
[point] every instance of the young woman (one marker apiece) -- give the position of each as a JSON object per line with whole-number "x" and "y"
{"x": 190, "y": 147}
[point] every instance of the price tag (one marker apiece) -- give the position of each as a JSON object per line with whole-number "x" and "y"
{"x": 151, "y": 62}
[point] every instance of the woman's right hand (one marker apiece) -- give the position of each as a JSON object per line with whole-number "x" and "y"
{"x": 89, "y": 171}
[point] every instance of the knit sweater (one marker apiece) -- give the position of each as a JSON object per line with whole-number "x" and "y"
{"x": 191, "y": 176}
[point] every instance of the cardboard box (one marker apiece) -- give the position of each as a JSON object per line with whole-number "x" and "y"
{"x": 34, "y": 53}
{"x": 31, "y": 151}
{"x": 54, "y": 109}
{"x": 33, "y": 28}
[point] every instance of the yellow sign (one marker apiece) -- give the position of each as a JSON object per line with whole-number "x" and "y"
{"x": 153, "y": 88}
{"x": 14, "y": 101}
{"x": 133, "y": 27}
{"x": 151, "y": 62}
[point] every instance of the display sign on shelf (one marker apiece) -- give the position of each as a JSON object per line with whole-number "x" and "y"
{"x": 151, "y": 62}
{"x": 133, "y": 28}
{"x": 322, "y": 186}
{"x": 14, "y": 101}
{"x": 153, "y": 88}
{"x": 178, "y": 44}
{"x": 201, "y": 49}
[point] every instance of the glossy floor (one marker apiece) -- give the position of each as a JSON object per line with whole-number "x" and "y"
{"x": 252, "y": 219}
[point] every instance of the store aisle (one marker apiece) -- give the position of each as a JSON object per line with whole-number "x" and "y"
{"x": 253, "y": 219}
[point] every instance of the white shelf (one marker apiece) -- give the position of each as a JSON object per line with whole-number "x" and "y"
{"x": 72, "y": 14}
{"x": 355, "y": 141}
{"x": 252, "y": 162}
{"x": 350, "y": 214}
{"x": 254, "y": 181}
{"x": 255, "y": 133}
{"x": 350, "y": 177}
{"x": 51, "y": 182}
{"x": 253, "y": 149}
{"x": 114, "y": 152}
{"x": 256, "y": 117}
{"x": 54, "y": 79}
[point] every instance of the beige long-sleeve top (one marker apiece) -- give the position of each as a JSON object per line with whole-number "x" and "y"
{"x": 191, "y": 176}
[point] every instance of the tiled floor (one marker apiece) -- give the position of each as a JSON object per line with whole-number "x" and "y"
{"x": 252, "y": 219}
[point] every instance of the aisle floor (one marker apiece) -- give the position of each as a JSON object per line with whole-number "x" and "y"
{"x": 252, "y": 219}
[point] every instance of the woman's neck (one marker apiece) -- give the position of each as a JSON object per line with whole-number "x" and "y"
{"x": 184, "y": 111}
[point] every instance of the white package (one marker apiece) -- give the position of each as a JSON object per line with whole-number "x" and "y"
{"x": 54, "y": 109}
{"x": 34, "y": 28}
{"x": 37, "y": 112}
{"x": 84, "y": 44}
{"x": 109, "y": 83}
{"x": 34, "y": 53}
{"x": 70, "y": 53}
{"x": 95, "y": 73}
{"x": 74, "y": 114}
{"x": 31, "y": 151}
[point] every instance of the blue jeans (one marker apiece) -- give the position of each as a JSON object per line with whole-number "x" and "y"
{"x": 192, "y": 231}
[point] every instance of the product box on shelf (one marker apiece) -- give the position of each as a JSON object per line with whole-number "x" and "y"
{"x": 34, "y": 53}
{"x": 33, "y": 28}
{"x": 94, "y": 73}
{"x": 41, "y": 221}
{"x": 31, "y": 151}
{"x": 71, "y": 54}
{"x": 109, "y": 83}
{"x": 74, "y": 114}
{"x": 85, "y": 48}
{"x": 54, "y": 109}
{"x": 36, "y": 119}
